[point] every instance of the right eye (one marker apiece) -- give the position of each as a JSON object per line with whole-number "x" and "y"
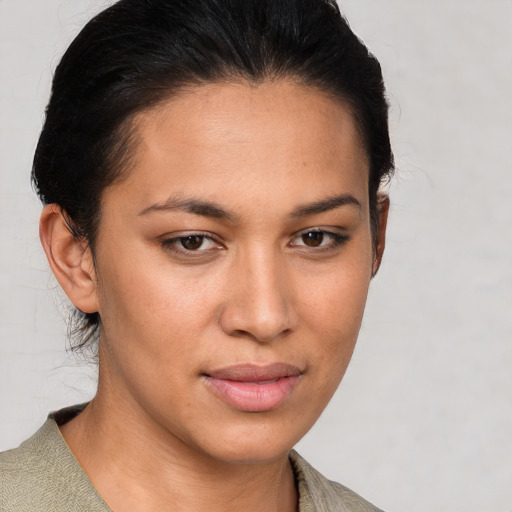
{"x": 191, "y": 244}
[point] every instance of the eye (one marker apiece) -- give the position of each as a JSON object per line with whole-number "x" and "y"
{"x": 313, "y": 238}
{"x": 318, "y": 238}
{"x": 191, "y": 243}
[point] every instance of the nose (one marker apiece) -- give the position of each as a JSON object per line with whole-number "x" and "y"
{"x": 260, "y": 301}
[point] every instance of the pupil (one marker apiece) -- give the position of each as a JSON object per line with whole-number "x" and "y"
{"x": 313, "y": 238}
{"x": 192, "y": 243}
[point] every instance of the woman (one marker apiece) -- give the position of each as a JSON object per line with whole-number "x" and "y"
{"x": 210, "y": 172}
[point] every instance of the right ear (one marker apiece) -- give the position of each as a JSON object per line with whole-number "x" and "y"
{"x": 70, "y": 259}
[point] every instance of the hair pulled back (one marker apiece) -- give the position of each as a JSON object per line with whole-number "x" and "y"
{"x": 138, "y": 53}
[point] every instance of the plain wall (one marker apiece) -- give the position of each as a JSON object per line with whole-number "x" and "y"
{"x": 423, "y": 418}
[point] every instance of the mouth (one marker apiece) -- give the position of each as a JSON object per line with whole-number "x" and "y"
{"x": 252, "y": 388}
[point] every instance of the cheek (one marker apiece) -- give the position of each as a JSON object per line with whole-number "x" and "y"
{"x": 336, "y": 321}
{"x": 152, "y": 320}
{"x": 334, "y": 311}
{"x": 154, "y": 308}
{"x": 335, "y": 299}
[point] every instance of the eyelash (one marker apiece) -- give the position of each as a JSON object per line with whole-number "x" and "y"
{"x": 171, "y": 244}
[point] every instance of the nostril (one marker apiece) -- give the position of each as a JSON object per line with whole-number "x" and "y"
{"x": 260, "y": 335}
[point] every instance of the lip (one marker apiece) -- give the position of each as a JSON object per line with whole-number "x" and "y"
{"x": 254, "y": 388}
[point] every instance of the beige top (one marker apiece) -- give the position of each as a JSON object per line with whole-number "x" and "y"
{"x": 42, "y": 475}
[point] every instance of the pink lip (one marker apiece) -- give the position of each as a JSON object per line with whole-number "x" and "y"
{"x": 253, "y": 388}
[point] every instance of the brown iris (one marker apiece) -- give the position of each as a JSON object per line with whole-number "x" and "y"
{"x": 192, "y": 242}
{"x": 313, "y": 238}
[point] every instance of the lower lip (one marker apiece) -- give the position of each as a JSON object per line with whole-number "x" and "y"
{"x": 253, "y": 396}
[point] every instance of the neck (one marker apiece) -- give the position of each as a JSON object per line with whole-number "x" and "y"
{"x": 136, "y": 466}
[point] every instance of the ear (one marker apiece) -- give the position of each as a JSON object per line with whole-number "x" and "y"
{"x": 70, "y": 259}
{"x": 380, "y": 236}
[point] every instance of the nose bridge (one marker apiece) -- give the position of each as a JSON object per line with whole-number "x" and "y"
{"x": 260, "y": 303}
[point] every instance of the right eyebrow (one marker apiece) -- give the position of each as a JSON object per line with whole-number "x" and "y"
{"x": 191, "y": 205}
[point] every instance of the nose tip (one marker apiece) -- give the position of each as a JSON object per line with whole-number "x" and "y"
{"x": 262, "y": 327}
{"x": 259, "y": 306}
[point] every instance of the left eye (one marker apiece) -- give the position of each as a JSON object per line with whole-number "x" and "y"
{"x": 318, "y": 238}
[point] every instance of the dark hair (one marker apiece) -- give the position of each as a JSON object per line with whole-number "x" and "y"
{"x": 138, "y": 53}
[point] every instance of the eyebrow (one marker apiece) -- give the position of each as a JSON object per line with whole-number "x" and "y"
{"x": 326, "y": 205}
{"x": 195, "y": 206}
{"x": 215, "y": 211}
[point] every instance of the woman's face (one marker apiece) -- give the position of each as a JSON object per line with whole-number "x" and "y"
{"x": 233, "y": 265}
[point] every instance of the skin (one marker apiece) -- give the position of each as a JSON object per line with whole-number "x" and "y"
{"x": 252, "y": 293}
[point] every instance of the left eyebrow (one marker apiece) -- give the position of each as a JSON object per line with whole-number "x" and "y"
{"x": 326, "y": 205}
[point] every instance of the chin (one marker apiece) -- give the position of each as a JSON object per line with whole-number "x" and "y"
{"x": 251, "y": 453}
{"x": 258, "y": 443}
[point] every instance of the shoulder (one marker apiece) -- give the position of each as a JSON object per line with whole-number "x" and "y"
{"x": 42, "y": 474}
{"x": 318, "y": 494}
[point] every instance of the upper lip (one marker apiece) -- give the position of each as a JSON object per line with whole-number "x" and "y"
{"x": 255, "y": 373}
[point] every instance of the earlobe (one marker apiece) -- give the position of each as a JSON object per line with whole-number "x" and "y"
{"x": 70, "y": 259}
{"x": 380, "y": 239}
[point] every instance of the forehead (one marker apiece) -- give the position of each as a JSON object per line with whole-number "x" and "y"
{"x": 229, "y": 140}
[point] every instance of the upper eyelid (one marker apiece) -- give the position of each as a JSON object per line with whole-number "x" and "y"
{"x": 320, "y": 229}
{"x": 186, "y": 234}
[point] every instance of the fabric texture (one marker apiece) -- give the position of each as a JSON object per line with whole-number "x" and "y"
{"x": 42, "y": 475}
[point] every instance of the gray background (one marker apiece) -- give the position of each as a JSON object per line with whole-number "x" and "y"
{"x": 423, "y": 418}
